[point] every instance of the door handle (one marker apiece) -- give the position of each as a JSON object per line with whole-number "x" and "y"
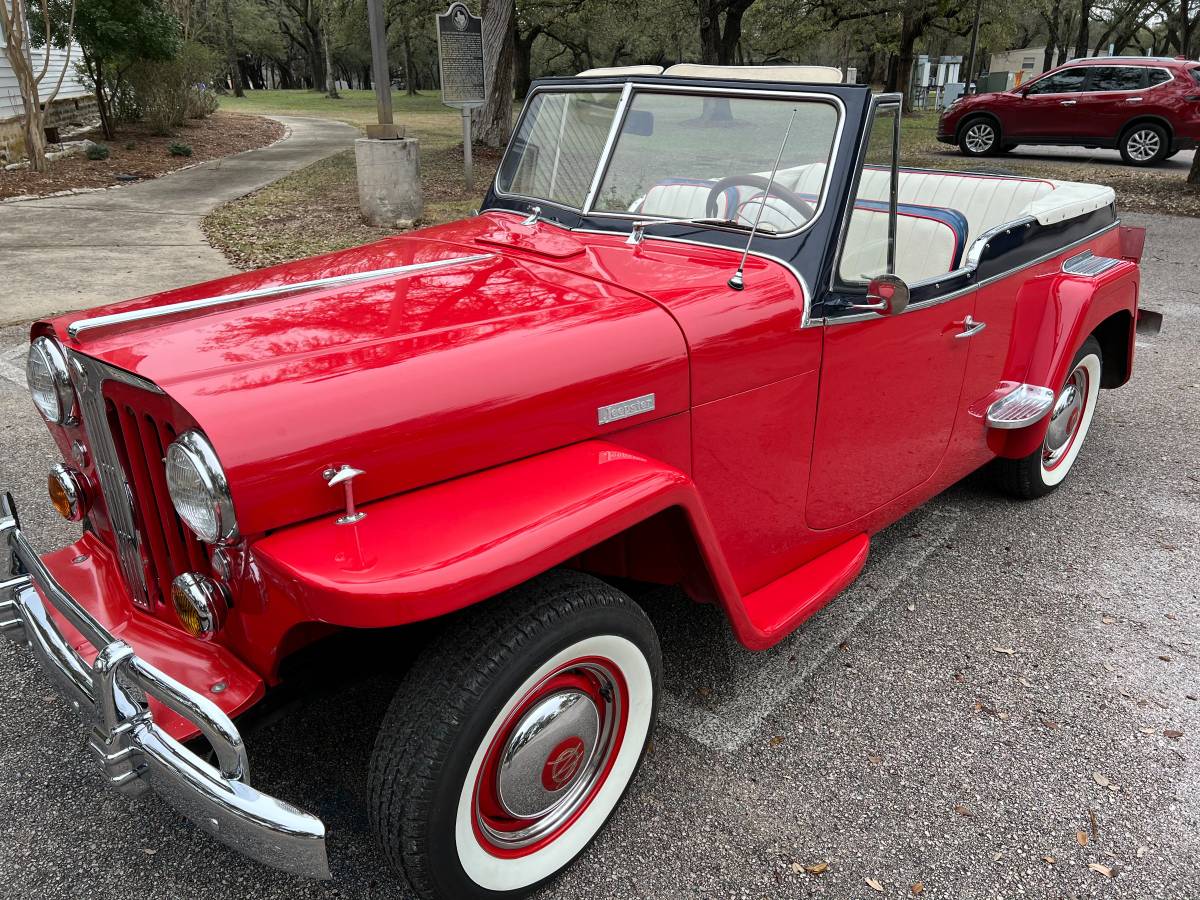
{"x": 1133, "y": 99}
{"x": 1068, "y": 102}
{"x": 970, "y": 327}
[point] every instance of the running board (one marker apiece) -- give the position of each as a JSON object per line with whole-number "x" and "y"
{"x": 777, "y": 608}
{"x": 1024, "y": 405}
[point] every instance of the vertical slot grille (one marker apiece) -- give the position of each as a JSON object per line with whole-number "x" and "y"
{"x": 168, "y": 547}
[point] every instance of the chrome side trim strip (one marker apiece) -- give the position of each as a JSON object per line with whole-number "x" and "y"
{"x": 79, "y": 326}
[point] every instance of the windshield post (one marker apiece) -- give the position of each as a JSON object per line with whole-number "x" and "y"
{"x": 609, "y": 143}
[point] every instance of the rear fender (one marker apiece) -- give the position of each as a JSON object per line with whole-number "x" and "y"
{"x": 438, "y": 549}
{"x": 1055, "y": 315}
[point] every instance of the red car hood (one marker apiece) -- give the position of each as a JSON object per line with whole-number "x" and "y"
{"x": 413, "y": 378}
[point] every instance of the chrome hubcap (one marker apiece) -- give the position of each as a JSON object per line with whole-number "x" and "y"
{"x": 1065, "y": 418}
{"x": 549, "y": 763}
{"x": 1143, "y": 145}
{"x": 980, "y": 138}
{"x": 547, "y": 753}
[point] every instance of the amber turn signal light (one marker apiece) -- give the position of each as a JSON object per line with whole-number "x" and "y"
{"x": 68, "y": 493}
{"x": 200, "y": 603}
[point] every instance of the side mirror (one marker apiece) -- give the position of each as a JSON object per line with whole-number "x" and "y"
{"x": 890, "y": 294}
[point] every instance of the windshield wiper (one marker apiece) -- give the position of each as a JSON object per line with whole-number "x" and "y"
{"x": 639, "y": 227}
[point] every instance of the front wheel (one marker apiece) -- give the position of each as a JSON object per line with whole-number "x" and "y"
{"x": 1146, "y": 144}
{"x": 979, "y": 137}
{"x": 513, "y": 738}
{"x": 1070, "y": 418}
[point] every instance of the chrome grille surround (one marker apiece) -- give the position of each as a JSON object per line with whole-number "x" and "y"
{"x": 88, "y": 376}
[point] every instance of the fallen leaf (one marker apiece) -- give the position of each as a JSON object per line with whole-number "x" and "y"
{"x": 1146, "y": 730}
{"x": 998, "y": 854}
{"x": 775, "y": 741}
{"x": 1102, "y": 869}
{"x": 797, "y": 868}
{"x": 1100, "y": 779}
{"x": 1081, "y": 836}
{"x": 1172, "y": 734}
{"x": 1006, "y": 650}
{"x": 1049, "y": 859}
{"x": 1141, "y": 851}
{"x": 875, "y": 760}
{"x": 1108, "y": 667}
{"x": 918, "y": 887}
{"x": 1025, "y": 682}
{"x": 1165, "y": 658}
{"x": 912, "y": 607}
{"x": 149, "y": 851}
{"x": 874, "y": 885}
{"x": 1108, "y": 620}
{"x": 1049, "y": 724}
{"x": 962, "y": 810}
{"x": 816, "y": 868}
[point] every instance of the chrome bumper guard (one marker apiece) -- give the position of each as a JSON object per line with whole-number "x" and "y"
{"x": 134, "y": 752}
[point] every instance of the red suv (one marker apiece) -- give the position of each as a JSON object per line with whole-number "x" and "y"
{"x": 1146, "y": 107}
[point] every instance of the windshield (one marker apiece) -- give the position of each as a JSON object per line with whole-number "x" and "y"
{"x": 678, "y": 155}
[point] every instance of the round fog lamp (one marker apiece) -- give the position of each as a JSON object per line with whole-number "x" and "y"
{"x": 68, "y": 492}
{"x": 200, "y": 604}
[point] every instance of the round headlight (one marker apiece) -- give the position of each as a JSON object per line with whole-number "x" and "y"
{"x": 50, "y": 382}
{"x": 199, "y": 490}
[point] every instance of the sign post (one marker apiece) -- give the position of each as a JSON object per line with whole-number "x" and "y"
{"x": 464, "y": 78}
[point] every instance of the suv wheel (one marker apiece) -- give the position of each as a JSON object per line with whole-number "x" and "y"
{"x": 512, "y": 739}
{"x": 979, "y": 137}
{"x": 1145, "y": 144}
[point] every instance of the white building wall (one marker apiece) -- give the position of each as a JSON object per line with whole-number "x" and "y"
{"x": 10, "y": 94}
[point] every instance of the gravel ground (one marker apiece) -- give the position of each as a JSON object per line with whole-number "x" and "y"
{"x": 889, "y": 738}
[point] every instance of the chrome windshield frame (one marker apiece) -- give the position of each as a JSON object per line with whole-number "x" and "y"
{"x": 628, "y": 91}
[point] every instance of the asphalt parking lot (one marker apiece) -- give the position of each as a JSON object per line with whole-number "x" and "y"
{"x": 1005, "y": 681}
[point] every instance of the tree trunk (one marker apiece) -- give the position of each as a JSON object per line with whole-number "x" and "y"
{"x": 410, "y": 71}
{"x": 1081, "y": 36}
{"x": 900, "y": 77}
{"x": 1053, "y": 20}
{"x": 231, "y": 59}
{"x": 492, "y": 122}
{"x": 331, "y": 90}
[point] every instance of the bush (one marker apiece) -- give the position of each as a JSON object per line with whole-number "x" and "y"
{"x": 202, "y": 102}
{"x": 165, "y": 89}
{"x": 180, "y": 149}
{"x": 97, "y": 152}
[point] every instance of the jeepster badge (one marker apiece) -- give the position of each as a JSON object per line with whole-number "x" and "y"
{"x": 626, "y": 408}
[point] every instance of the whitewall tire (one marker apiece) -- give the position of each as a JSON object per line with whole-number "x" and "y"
{"x": 513, "y": 738}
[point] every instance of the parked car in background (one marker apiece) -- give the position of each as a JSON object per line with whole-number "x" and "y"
{"x": 1146, "y": 107}
{"x": 665, "y": 351}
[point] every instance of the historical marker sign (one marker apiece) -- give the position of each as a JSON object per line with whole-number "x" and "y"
{"x": 460, "y": 57}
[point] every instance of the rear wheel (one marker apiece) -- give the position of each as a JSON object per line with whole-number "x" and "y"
{"x": 1145, "y": 144}
{"x": 1070, "y": 418}
{"x": 510, "y": 743}
{"x": 979, "y": 137}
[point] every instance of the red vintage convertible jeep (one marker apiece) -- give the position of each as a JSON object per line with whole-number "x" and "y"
{"x": 705, "y": 332}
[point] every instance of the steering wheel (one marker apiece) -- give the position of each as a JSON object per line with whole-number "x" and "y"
{"x": 791, "y": 198}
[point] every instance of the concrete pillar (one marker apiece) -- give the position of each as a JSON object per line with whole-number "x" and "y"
{"x": 389, "y": 181}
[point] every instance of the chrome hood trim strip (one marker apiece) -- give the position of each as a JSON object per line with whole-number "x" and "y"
{"x": 79, "y": 326}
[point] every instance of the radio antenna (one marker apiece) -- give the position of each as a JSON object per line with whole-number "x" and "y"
{"x": 737, "y": 282}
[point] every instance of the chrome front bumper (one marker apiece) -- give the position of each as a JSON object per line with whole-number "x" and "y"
{"x": 135, "y": 753}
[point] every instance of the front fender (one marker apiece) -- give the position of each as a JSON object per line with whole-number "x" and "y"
{"x": 1055, "y": 314}
{"x": 438, "y": 549}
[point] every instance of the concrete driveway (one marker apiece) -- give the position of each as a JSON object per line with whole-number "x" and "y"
{"x": 1003, "y": 677}
{"x": 1053, "y": 157}
{"x": 72, "y": 252}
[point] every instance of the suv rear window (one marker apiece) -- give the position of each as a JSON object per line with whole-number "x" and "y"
{"x": 1117, "y": 78}
{"x": 1160, "y": 76}
{"x": 1196, "y": 74}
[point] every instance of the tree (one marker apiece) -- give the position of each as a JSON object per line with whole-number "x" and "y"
{"x": 231, "y": 59}
{"x": 720, "y": 29}
{"x": 17, "y": 32}
{"x": 492, "y": 122}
